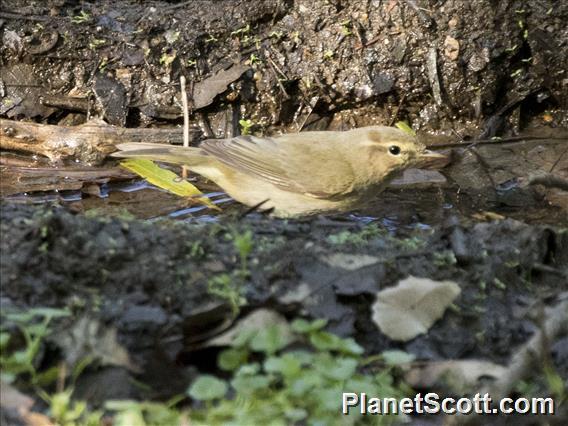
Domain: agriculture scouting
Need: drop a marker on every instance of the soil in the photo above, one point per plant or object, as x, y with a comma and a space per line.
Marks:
125, 256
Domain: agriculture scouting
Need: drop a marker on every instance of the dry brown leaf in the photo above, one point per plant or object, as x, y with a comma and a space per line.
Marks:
412, 307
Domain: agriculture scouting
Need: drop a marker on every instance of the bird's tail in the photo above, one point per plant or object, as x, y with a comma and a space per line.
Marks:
160, 152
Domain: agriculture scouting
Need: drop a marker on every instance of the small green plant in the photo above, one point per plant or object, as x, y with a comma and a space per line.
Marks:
357, 238
67, 412
517, 72
95, 43
167, 58
273, 385
276, 35
445, 258
241, 31
346, 27
21, 337
81, 17
246, 126
228, 287
411, 243
129, 413
243, 244
196, 250
254, 60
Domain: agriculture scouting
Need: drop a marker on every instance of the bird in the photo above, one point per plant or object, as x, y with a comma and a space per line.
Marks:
298, 174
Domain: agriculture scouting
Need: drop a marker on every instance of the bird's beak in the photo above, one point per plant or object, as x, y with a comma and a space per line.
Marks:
432, 160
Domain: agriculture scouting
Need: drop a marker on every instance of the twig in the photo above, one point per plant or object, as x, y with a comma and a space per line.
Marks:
184, 170
558, 160
275, 69
433, 75
550, 270
309, 113
396, 111
512, 139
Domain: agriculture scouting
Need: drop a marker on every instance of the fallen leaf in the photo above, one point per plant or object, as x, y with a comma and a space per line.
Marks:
403, 125
455, 376
166, 179
89, 338
260, 319
412, 307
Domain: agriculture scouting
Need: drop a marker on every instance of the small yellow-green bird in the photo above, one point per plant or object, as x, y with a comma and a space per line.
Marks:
298, 174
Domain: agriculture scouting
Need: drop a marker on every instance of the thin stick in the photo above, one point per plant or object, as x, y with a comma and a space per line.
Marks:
502, 141
184, 170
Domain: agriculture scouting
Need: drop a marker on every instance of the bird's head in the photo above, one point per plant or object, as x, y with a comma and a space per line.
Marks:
390, 150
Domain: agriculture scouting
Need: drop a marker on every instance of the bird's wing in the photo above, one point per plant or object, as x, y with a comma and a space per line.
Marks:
297, 164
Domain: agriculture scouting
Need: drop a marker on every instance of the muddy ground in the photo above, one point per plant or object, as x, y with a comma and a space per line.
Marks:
126, 257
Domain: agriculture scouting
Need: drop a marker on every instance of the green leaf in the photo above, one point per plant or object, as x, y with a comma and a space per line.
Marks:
303, 357
361, 384
4, 339
338, 368
269, 340
329, 400
249, 384
244, 337
165, 179
47, 377
232, 358
306, 384
129, 417
248, 369
296, 414
349, 346
302, 326
286, 365
397, 357
207, 387
403, 125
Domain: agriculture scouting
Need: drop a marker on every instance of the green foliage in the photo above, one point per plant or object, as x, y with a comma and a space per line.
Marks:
289, 386
67, 412
346, 27
444, 258
81, 18
207, 388
246, 126
243, 244
359, 238
21, 336
129, 413
230, 286
226, 287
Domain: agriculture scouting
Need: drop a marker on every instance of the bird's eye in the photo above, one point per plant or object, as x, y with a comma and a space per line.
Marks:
394, 149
